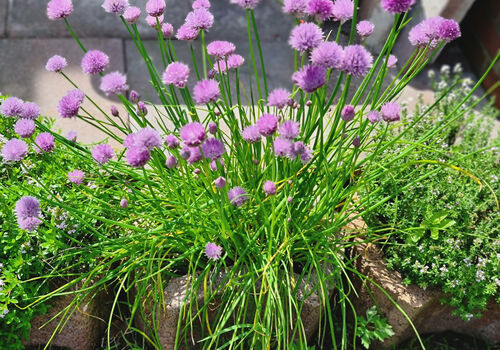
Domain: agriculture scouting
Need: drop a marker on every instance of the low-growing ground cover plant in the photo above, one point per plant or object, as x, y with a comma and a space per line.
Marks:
445, 231
245, 193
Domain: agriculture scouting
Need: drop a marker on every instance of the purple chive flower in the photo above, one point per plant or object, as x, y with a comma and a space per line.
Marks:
129, 141
138, 157
194, 155
397, 6
235, 61
14, 150
213, 148
124, 203
94, 62
270, 188
134, 96
251, 134
186, 32
114, 111
282, 147
365, 29
390, 112
449, 30
76, 177
305, 36
59, 9
296, 8
177, 73
213, 251
71, 136
117, 7
147, 138
328, 54
141, 109
206, 91
12, 107
199, 4
193, 134
200, 19
155, 8
321, 9
114, 83
24, 128
237, 196
29, 224
44, 142
103, 153
298, 148
357, 60
267, 124
356, 142
343, 10
220, 49
27, 207
246, 4
185, 153
153, 21
348, 113
426, 32
56, 64
392, 61
279, 98
289, 130
70, 104
213, 164
30, 111
132, 14
171, 162
172, 141
220, 182
212, 128
306, 155
374, 117
167, 30
310, 78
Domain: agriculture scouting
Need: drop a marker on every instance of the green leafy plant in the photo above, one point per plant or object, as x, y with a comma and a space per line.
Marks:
373, 327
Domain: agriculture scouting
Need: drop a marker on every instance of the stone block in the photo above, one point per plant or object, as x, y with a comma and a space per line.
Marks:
3, 17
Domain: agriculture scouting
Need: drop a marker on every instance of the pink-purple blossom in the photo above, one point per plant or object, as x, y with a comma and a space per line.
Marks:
12, 107
356, 142
194, 155
28, 213
449, 30
172, 141
114, 83
193, 134
220, 49
320, 9
279, 98
94, 62
206, 91
117, 7
44, 142
246, 4
328, 54
365, 29
296, 8
213, 251
198, 4
155, 8
14, 150
56, 63
251, 134
171, 162
177, 73
132, 14
397, 6
310, 78
357, 61
212, 128
134, 96
124, 203
59, 9
237, 196
343, 10
30, 111
213, 148
114, 111
137, 156
427, 32
167, 30
267, 124
235, 61
390, 112
103, 153
141, 109
201, 19
154, 22
347, 113
147, 138
269, 188
29, 224
305, 36
220, 182
289, 130
186, 32
374, 117
69, 105
72, 136
24, 127
76, 176
282, 147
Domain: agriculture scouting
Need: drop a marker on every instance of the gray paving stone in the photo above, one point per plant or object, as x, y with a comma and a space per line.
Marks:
3, 17
28, 79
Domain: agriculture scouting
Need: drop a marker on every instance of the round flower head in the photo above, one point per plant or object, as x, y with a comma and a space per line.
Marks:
56, 64
69, 105
14, 150
117, 7
220, 49
267, 124
200, 19
172, 141
279, 98
30, 111
298, 148
138, 157
289, 130
103, 153
270, 188
449, 30
392, 61
186, 32
343, 10
235, 61
321, 9
167, 30
426, 33
199, 4
193, 134
76, 177
194, 155
134, 96
305, 36
282, 147
12, 107
44, 142
356, 142
246, 4
71, 136
220, 182
213, 251
296, 8
114, 111
94, 62
212, 128
213, 148
153, 21
237, 196
132, 14
141, 109
177, 73
147, 138
27, 207
310, 78
129, 141
397, 6
348, 113
328, 54
306, 156
124, 203
251, 134
114, 83
374, 117
206, 91
24, 127
59, 9
357, 60
29, 224
390, 112
171, 162
365, 29
155, 8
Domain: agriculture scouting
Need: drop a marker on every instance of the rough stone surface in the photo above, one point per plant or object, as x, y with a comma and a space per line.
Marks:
423, 307
3, 17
